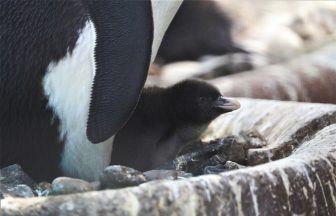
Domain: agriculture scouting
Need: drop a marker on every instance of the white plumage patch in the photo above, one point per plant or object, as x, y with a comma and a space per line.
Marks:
67, 84
163, 14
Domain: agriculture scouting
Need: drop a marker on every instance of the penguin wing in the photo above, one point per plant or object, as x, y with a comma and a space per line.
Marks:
122, 55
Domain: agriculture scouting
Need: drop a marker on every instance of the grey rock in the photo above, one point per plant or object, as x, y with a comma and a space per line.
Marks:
219, 159
14, 182
219, 168
14, 175
284, 125
214, 169
230, 165
117, 176
290, 82
183, 175
66, 185
253, 139
211, 154
166, 174
20, 190
161, 174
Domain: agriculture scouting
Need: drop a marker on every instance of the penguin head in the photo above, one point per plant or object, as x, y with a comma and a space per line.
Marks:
196, 101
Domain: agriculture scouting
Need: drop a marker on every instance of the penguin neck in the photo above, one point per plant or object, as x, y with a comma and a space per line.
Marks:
154, 106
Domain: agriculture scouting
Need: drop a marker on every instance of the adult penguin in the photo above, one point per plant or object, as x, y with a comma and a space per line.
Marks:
199, 28
71, 75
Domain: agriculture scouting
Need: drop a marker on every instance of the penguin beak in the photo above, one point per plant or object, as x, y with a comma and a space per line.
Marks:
226, 104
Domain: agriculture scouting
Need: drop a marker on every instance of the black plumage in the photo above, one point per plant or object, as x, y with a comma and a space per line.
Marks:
31, 38
166, 119
36, 34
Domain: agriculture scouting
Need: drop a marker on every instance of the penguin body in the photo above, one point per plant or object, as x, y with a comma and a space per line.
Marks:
29, 129
64, 71
199, 28
165, 120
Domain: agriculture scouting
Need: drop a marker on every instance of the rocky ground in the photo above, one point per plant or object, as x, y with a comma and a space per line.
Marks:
294, 142
197, 159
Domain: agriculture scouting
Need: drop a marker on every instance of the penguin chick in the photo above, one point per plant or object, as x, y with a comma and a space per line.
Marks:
165, 120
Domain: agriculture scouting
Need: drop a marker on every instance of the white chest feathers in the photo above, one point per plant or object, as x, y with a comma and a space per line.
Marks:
67, 84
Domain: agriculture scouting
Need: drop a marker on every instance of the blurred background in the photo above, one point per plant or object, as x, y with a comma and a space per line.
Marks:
282, 50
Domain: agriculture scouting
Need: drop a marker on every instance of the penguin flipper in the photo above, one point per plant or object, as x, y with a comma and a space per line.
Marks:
122, 55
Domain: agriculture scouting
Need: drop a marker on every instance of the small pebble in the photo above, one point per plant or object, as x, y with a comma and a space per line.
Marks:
42, 189
214, 169
253, 139
117, 176
215, 160
66, 185
183, 175
230, 165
